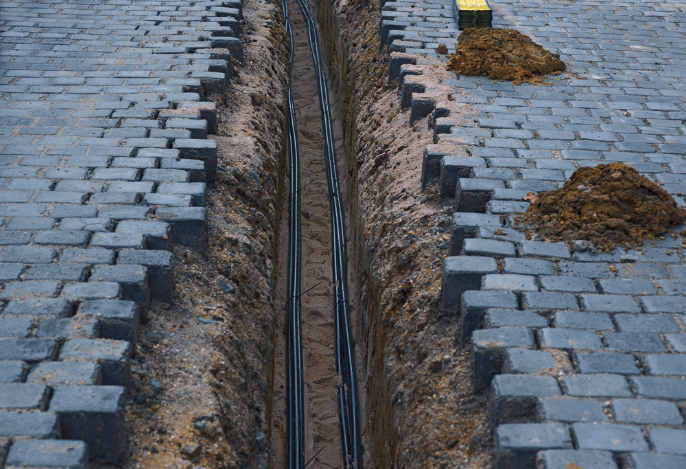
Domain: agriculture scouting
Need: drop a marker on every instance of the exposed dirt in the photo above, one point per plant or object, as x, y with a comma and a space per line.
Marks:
421, 408
322, 430
608, 205
203, 366
503, 54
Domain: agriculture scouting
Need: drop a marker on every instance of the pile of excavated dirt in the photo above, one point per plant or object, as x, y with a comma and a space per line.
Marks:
609, 205
503, 54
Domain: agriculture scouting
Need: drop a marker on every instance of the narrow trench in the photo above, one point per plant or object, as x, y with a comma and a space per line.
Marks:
322, 430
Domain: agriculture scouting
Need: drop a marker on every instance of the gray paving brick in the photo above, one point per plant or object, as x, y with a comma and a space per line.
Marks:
609, 437
41, 425
621, 363
14, 396
610, 303
646, 412
668, 440
464, 273
90, 291
635, 342
646, 323
567, 284
511, 318
588, 459
578, 320
596, 385
39, 307
12, 371
517, 444
15, 327
48, 453
82, 408
651, 304
548, 301
666, 364
527, 266
650, 460
68, 373
571, 410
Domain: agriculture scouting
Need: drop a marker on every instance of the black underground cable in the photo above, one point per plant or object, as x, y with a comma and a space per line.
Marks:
294, 368
345, 360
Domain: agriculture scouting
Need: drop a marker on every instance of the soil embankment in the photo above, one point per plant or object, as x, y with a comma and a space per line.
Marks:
202, 371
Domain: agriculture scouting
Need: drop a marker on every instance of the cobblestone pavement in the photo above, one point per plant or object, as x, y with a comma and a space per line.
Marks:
103, 164
583, 357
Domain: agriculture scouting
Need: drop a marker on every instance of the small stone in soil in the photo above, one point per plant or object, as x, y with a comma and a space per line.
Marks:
207, 321
192, 450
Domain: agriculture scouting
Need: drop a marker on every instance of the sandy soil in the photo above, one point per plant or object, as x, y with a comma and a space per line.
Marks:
203, 366
322, 431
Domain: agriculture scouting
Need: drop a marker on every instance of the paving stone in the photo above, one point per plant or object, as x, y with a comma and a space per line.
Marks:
610, 303
677, 341
668, 440
546, 250
67, 272
651, 460
118, 320
626, 286
579, 320
474, 304
569, 339
68, 454
41, 425
548, 301
622, 363
510, 282
27, 350
646, 412
39, 307
12, 371
646, 323
517, 444
663, 304
596, 385
514, 397
87, 256
634, 342
527, 266
488, 353
113, 355
513, 318
160, 273
83, 408
133, 280
15, 327
659, 388
609, 437
588, 459
70, 373
666, 364
571, 410
464, 273
91, 290
14, 396
567, 284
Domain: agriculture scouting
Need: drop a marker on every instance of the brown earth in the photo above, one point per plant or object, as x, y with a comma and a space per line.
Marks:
608, 205
503, 54
200, 390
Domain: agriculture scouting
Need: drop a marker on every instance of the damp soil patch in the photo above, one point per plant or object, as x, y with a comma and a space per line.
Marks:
503, 54
608, 205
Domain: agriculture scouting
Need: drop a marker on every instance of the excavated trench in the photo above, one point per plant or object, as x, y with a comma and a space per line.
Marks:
322, 429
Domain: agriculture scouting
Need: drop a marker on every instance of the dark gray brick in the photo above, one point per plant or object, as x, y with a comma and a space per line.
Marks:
113, 355
548, 301
634, 342
666, 364
15, 327
514, 318
39, 307
160, 273
567, 284
519, 361
660, 388
488, 354
609, 437
646, 412
587, 459
571, 410
14, 396
29, 289
48, 453
67, 272
514, 397
568, 339
596, 385
653, 460
87, 256
622, 363
118, 319
627, 287
91, 291
27, 254
132, 278
474, 304
527, 266
12, 371
83, 408
68, 373
668, 440
610, 303
578, 320
646, 323
28, 350
10, 271
651, 304
540, 249
41, 425
517, 444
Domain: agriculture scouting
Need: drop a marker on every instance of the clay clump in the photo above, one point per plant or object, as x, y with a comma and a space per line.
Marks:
608, 205
503, 54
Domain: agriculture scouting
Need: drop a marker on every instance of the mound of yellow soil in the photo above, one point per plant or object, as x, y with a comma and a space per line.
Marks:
503, 54
608, 205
